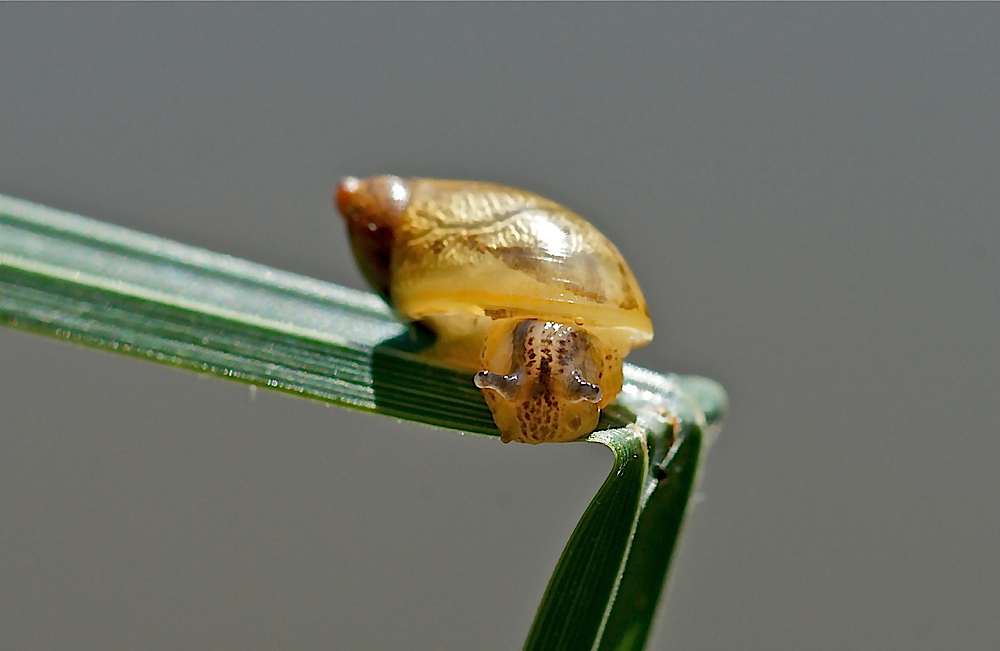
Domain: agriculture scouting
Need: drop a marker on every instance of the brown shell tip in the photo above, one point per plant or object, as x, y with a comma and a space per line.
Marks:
346, 190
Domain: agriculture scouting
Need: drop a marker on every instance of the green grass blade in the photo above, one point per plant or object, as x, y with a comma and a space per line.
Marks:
667, 489
584, 581
99, 285
604, 591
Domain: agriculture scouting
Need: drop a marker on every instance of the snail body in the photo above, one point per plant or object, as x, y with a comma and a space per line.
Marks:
515, 286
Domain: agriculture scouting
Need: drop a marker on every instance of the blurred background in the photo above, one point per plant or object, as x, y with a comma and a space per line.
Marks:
810, 196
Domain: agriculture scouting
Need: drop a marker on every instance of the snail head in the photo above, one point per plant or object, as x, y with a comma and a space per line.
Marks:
542, 394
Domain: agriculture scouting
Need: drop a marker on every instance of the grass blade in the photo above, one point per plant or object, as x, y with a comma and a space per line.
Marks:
99, 285
604, 591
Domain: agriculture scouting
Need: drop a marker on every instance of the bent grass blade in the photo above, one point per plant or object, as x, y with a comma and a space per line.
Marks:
103, 286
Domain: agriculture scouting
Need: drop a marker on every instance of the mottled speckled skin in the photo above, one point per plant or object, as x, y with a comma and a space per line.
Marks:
550, 389
515, 285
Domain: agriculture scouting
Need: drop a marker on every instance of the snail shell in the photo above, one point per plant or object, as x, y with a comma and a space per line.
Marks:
516, 286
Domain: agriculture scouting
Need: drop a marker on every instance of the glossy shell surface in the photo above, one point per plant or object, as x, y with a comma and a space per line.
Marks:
471, 258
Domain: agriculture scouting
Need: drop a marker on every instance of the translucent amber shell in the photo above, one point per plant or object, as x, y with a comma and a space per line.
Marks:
474, 259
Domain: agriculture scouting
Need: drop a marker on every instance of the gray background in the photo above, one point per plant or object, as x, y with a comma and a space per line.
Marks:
809, 195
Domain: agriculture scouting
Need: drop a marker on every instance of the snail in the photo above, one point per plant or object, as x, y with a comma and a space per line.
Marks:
516, 287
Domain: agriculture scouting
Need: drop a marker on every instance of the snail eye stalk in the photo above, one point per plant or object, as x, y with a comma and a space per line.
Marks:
505, 385
580, 389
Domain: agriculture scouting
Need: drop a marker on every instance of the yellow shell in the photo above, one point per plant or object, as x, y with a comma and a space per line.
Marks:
515, 286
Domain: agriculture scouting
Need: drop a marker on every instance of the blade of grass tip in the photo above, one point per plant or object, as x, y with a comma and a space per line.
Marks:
604, 591
667, 493
584, 580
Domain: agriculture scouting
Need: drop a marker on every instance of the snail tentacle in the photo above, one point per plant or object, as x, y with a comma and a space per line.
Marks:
580, 389
505, 385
